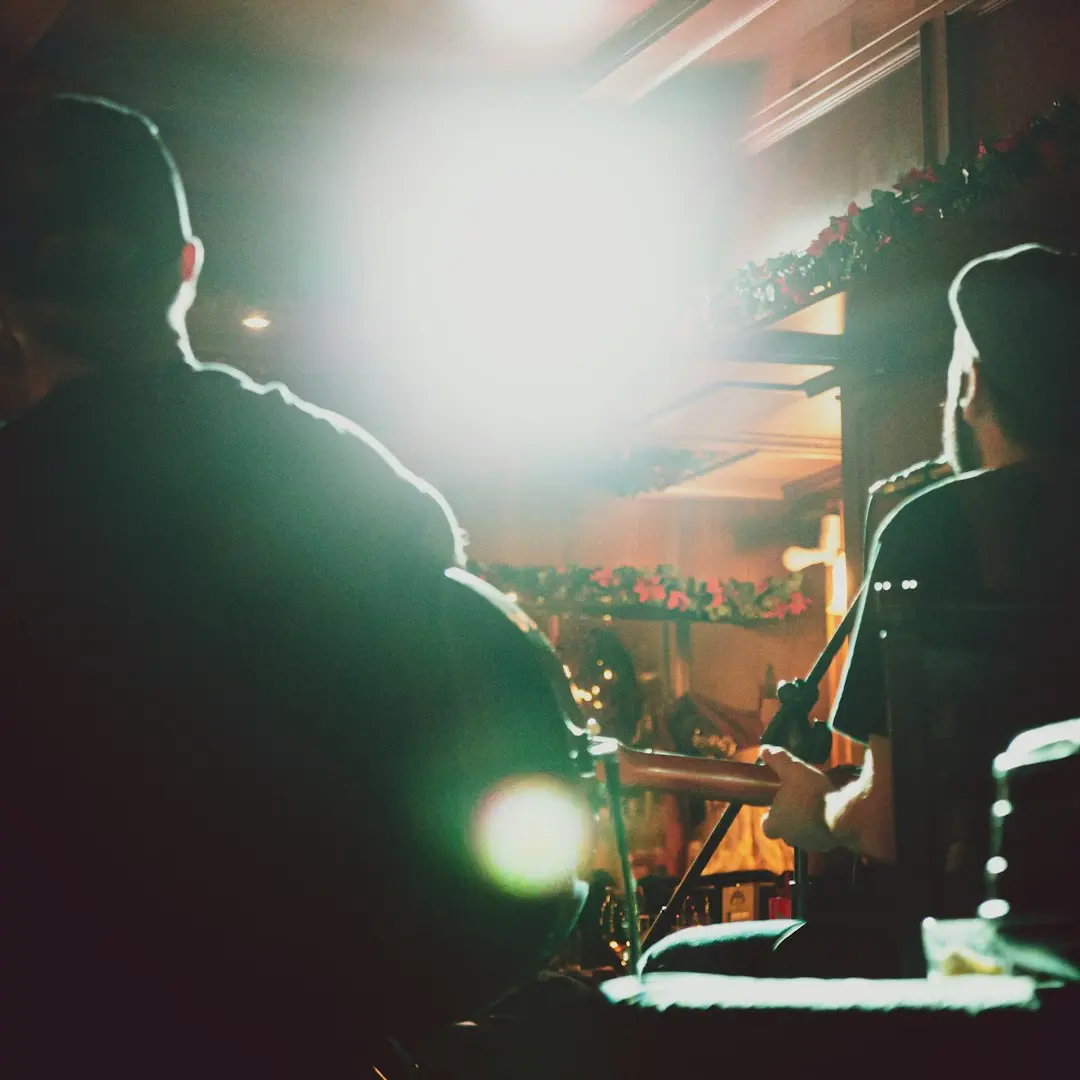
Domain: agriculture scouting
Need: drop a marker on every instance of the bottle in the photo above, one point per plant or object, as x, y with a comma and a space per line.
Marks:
780, 903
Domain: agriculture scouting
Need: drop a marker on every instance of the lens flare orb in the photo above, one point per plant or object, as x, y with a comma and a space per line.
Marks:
530, 834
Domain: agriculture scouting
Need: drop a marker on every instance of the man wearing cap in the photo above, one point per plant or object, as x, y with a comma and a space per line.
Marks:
998, 531
208, 591
999, 528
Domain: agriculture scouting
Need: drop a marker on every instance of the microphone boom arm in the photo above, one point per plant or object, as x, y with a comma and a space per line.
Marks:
791, 729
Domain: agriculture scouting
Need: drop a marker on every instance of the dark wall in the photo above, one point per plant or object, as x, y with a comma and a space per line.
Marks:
899, 333
1009, 65
865, 143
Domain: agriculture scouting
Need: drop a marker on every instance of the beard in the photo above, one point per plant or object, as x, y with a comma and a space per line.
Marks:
959, 445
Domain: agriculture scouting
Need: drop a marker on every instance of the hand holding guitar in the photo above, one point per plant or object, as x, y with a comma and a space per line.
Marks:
797, 813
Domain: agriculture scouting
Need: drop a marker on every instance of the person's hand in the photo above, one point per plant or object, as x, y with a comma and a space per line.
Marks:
797, 814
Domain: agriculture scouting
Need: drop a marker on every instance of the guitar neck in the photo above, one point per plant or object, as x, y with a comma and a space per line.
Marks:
708, 778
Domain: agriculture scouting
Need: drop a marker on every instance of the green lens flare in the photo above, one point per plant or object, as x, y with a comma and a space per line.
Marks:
530, 834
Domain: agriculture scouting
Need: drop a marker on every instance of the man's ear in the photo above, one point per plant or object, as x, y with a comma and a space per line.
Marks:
191, 261
974, 394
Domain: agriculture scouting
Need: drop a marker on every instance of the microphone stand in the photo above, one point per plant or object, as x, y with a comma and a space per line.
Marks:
792, 730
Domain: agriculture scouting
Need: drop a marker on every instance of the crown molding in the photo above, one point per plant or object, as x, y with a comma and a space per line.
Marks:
681, 46
842, 81
985, 7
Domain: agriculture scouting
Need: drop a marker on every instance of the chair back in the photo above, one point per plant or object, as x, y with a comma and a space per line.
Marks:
962, 680
1035, 827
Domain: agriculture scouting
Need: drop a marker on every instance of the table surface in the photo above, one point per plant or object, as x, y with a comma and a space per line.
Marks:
967, 993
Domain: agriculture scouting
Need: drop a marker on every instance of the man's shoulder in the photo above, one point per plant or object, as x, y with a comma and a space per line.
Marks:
276, 405
936, 508
347, 454
933, 528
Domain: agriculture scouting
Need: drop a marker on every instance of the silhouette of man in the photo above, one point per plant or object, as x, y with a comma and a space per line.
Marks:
212, 598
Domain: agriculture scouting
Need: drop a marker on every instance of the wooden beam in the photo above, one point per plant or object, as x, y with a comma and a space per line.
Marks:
782, 347
718, 465
827, 380
806, 447
827, 482
934, 62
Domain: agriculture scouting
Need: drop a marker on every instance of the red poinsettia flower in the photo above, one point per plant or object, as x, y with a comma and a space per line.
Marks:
604, 578
834, 232
778, 611
914, 178
677, 599
650, 589
827, 236
798, 604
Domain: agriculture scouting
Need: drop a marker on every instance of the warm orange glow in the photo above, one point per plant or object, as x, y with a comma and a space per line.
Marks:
837, 602
827, 316
797, 559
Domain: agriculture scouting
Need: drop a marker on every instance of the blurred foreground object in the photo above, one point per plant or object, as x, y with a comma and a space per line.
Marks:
1031, 874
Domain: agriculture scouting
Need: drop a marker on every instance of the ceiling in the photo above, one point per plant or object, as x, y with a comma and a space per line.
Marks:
775, 423
361, 33
462, 33
250, 92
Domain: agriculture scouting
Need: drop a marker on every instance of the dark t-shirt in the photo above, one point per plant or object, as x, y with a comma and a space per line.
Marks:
213, 598
965, 636
1005, 534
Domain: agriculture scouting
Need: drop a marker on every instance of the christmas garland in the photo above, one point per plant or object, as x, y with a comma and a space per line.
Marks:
628, 593
765, 292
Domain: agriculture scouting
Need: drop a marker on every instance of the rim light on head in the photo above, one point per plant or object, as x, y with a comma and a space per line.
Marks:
530, 835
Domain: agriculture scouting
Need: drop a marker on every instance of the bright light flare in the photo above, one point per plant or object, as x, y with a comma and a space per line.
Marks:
524, 264
538, 21
256, 322
530, 835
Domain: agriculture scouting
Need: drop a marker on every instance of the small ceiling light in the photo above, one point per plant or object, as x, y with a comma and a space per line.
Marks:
255, 321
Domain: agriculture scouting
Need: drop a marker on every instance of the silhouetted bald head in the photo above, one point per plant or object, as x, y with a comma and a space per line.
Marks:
93, 224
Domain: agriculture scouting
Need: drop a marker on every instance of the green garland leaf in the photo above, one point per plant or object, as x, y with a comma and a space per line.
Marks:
631, 593
765, 292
